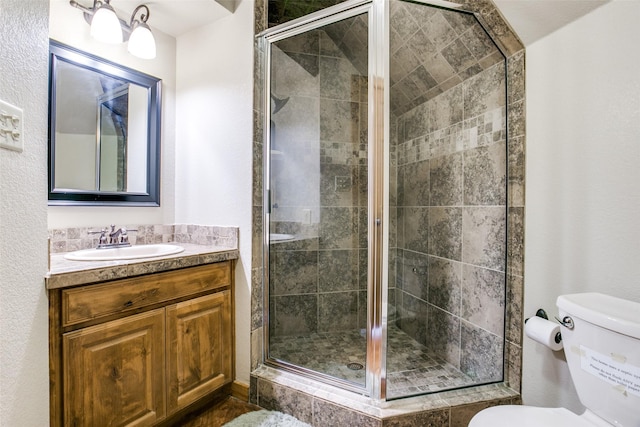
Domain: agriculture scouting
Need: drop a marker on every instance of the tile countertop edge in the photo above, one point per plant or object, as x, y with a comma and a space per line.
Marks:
64, 273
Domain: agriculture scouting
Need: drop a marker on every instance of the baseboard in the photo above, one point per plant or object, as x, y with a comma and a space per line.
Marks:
240, 391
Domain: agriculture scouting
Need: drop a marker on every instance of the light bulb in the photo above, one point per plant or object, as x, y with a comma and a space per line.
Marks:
105, 25
141, 42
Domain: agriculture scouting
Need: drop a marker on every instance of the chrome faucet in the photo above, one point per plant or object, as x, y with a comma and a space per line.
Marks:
113, 238
115, 235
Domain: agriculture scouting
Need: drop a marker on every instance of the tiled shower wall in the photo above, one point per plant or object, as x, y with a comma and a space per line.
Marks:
319, 165
448, 96
451, 223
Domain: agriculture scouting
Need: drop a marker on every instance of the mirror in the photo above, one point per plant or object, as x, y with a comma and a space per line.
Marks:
104, 131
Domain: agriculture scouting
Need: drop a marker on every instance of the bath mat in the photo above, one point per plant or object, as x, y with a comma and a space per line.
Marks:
264, 418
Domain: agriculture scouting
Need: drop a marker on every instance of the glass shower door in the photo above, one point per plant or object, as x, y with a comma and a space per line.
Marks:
317, 179
386, 201
448, 201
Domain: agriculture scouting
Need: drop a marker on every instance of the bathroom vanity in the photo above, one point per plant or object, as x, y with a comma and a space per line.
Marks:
139, 343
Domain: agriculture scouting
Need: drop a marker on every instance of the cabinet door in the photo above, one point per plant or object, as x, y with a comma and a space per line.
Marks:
114, 372
199, 348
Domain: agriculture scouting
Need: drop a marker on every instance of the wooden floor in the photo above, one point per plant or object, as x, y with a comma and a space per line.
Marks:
219, 413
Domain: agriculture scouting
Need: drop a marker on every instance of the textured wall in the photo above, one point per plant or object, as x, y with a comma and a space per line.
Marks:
24, 384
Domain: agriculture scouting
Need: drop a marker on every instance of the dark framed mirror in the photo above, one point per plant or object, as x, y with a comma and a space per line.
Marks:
104, 131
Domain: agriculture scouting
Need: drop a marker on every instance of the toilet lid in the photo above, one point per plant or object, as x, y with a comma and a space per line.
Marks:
527, 416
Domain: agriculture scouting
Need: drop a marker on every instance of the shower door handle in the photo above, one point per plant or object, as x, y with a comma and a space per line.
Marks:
268, 201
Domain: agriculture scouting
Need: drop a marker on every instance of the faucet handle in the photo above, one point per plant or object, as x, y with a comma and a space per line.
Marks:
124, 237
102, 240
123, 229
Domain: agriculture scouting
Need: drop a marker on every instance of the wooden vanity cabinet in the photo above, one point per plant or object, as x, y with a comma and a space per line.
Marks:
199, 348
136, 351
113, 372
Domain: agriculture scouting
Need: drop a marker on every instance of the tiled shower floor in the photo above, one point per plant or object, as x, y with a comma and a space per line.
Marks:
411, 369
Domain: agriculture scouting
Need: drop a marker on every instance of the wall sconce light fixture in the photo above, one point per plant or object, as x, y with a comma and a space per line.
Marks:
108, 28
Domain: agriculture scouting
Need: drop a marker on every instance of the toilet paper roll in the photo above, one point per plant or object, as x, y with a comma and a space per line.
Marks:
543, 331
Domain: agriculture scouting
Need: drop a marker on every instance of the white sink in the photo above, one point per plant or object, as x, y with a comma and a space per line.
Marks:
130, 252
278, 237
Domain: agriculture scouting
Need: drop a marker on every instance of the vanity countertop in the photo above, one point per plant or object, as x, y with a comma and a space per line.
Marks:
64, 273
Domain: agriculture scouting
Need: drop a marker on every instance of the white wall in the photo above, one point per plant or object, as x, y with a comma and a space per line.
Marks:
214, 143
583, 176
68, 26
24, 349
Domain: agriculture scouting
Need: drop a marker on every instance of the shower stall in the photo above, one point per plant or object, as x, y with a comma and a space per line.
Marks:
385, 198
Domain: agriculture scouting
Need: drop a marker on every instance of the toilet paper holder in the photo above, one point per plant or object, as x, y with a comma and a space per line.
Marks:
567, 321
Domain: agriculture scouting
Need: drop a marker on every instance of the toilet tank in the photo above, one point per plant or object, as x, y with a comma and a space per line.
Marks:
603, 354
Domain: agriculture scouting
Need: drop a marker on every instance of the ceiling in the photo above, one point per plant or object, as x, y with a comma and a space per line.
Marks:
531, 19
534, 19
176, 17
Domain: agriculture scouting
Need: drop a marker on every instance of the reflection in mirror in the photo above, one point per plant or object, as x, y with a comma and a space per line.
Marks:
104, 141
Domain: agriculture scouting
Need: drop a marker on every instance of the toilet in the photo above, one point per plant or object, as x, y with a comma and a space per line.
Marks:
601, 339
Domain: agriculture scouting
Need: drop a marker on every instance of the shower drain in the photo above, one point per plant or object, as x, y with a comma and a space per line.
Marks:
355, 366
